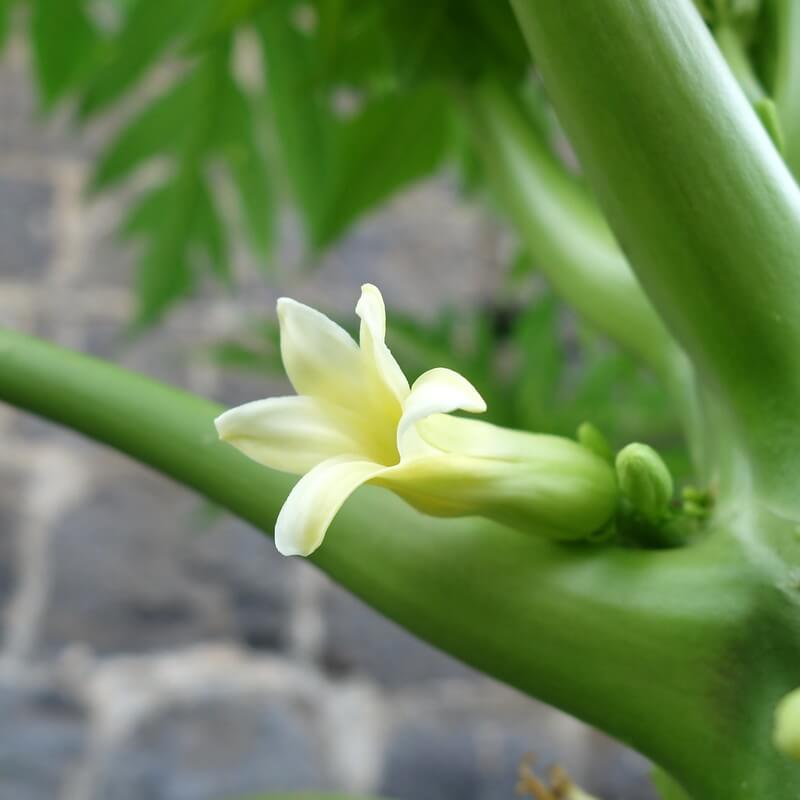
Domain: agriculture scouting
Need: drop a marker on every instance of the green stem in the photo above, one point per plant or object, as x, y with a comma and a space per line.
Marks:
731, 46
563, 229
561, 226
697, 195
635, 642
783, 18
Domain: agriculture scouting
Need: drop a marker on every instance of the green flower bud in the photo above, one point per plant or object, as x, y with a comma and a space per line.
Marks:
768, 114
591, 438
786, 733
644, 480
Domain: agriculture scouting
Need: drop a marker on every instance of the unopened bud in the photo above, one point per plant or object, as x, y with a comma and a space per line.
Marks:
535, 482
591, 438
644, 480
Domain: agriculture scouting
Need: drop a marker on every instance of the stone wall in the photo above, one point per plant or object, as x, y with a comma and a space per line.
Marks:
155, 650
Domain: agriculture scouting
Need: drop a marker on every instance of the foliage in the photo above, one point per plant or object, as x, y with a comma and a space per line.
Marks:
319, 101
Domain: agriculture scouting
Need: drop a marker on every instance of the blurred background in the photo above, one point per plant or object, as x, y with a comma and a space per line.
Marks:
167, 170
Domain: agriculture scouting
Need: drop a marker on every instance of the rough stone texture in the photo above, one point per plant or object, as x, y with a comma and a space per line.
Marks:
42, 743
467, 740
11, 482
361, 641
218, 748
25, 208
143, 564
152, 650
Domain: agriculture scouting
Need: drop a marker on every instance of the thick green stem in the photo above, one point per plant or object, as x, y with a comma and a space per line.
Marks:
783, 18
635, 642
563, 229
731, 46
698, 197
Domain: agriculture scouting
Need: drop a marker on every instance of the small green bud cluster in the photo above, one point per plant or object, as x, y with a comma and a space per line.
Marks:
696, 502
648, 515
645, 481
591, 438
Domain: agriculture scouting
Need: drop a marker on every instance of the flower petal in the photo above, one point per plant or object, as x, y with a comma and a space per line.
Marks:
389, 383
474, 437
437, 391
320, 358
292, 434
314, 501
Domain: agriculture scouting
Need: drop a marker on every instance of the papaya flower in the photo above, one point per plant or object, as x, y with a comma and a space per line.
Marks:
356, 420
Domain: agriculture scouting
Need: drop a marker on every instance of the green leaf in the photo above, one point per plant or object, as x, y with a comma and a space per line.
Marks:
5, 13
247, 165
221, 19
340, 166
64, 43
455, 39
209, 232
395, 140
540, 373
147, 31
303, 129
159, 129
165, 218
178, 220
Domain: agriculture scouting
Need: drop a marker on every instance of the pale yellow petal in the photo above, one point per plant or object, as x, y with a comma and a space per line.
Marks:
314, 501
320, 358
474, 437
389, 385
437, 391
292, 434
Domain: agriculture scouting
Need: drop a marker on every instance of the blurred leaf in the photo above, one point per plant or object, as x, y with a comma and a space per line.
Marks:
163, 217
247, 165
303, 128
177, 220
539, 374
461, 39
342, 164
159, 129
147, 31
5, 14
64, 43
209, 232
202, 119
221, 19
392, 142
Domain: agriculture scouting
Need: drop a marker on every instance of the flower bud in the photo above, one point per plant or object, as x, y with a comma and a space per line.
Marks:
644, 480
786, 733
538, 483
591, 438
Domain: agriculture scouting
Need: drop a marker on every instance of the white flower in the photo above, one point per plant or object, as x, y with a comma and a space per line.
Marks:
356, 420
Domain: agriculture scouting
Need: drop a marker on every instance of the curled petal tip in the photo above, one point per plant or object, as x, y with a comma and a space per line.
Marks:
219, 424
282, 304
